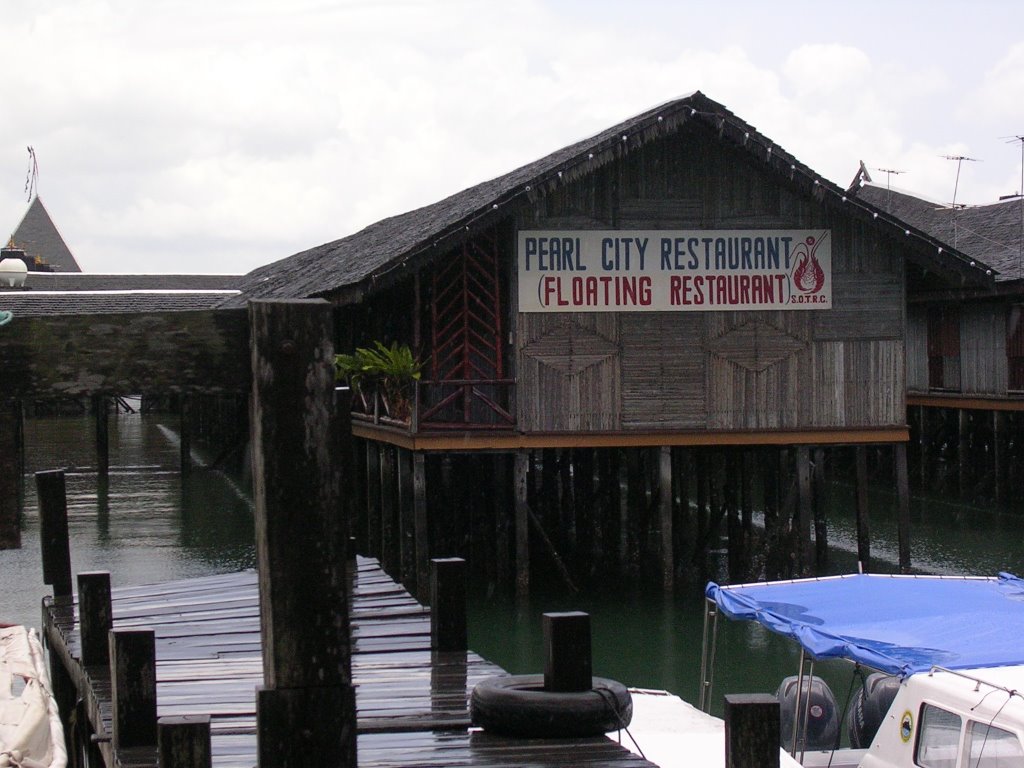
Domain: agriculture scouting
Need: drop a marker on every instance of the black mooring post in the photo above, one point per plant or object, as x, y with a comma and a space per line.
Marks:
751, 731
101, 411
567, 652
95, 616
307, 708
133, 687
448, 604
184, 741
53, 531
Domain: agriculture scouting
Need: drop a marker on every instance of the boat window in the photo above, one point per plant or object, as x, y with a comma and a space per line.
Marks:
991, 747
938, 738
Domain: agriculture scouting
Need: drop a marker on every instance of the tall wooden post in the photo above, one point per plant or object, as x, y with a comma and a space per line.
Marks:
752, 724
522, 463
53, 531
963, 452
448, 628
665, 517
902, 505
184, 741
863, 527
406, 522
133, 687
567, 652
10, 475
999, 457
820, 490
803, 478
420, 524
307, 704
95, 617
388, 512
101, 412
185, 434
373, 513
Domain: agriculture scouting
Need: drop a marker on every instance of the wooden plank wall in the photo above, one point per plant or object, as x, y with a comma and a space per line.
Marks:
835, 368
983, 349
75, 355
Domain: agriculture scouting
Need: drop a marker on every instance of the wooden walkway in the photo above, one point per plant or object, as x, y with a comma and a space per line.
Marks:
411, 703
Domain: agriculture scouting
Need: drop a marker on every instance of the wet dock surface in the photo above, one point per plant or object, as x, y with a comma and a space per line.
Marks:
411, 702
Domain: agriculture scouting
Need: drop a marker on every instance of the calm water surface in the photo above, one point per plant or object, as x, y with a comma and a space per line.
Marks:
152, 528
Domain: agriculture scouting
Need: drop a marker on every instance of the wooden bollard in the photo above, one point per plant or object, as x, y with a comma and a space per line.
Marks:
448, 604
306, 711
184, 742
53, 531
567, 653
133, 687
95, 617
751, 731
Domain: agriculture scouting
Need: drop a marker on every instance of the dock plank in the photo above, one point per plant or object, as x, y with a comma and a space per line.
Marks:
411, 703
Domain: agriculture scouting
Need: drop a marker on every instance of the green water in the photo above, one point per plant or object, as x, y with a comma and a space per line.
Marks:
151, 528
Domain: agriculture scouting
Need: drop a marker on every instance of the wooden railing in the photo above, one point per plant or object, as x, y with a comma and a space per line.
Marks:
482, 404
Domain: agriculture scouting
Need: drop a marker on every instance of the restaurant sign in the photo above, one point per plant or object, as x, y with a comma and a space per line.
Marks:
673, 270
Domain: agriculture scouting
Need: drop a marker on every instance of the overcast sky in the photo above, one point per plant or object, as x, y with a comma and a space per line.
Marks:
216, 136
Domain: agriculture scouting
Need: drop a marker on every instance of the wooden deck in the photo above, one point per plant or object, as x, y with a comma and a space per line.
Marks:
411, 703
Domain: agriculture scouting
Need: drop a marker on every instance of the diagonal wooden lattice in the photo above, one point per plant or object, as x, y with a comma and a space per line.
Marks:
755, 346
466, 315
570, 349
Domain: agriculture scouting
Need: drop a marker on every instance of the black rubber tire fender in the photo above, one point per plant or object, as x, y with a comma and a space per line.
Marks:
518, 705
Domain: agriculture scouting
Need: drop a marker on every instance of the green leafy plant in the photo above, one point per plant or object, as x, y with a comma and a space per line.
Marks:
392, 369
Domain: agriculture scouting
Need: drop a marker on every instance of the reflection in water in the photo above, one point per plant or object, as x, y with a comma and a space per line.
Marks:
149, 526
145, 526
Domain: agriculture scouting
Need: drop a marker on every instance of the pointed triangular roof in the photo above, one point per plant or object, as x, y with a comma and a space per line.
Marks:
38, 237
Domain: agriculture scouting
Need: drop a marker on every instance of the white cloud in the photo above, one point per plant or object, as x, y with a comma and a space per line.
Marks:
233, 133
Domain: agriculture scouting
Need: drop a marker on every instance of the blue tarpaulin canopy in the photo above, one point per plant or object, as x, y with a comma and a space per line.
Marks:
896, 624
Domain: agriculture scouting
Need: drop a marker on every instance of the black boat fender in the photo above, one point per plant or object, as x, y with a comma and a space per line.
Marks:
518, 705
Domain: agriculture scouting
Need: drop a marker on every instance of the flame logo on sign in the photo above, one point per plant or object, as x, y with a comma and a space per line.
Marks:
808, 276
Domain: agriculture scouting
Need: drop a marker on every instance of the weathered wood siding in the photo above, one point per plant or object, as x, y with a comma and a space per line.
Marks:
826, 369
917, 348
983, 349
74, 355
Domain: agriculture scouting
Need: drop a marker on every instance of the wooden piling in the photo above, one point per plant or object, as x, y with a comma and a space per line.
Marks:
185, 433
299, 540
567, 652
665, 517
902, 505
373, 493
734, 533
95, 617
820, 493
420, 526
999, 458
804, 511
184, 742
53, 531
522, 463
133, 688
963, 453
448, 626
752, 725
10, 475
101, 412
406, 521
863, 527
389, 546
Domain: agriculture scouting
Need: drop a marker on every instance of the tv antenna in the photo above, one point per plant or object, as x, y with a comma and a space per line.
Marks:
889, 173
959, 161
1020, 194
32, 177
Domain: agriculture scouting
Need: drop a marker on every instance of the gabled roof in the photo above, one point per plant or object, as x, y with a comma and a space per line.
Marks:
95, 281
360, 263
38, 237
993, 233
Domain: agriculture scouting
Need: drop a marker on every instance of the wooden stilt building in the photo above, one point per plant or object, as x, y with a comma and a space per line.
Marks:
625, 345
